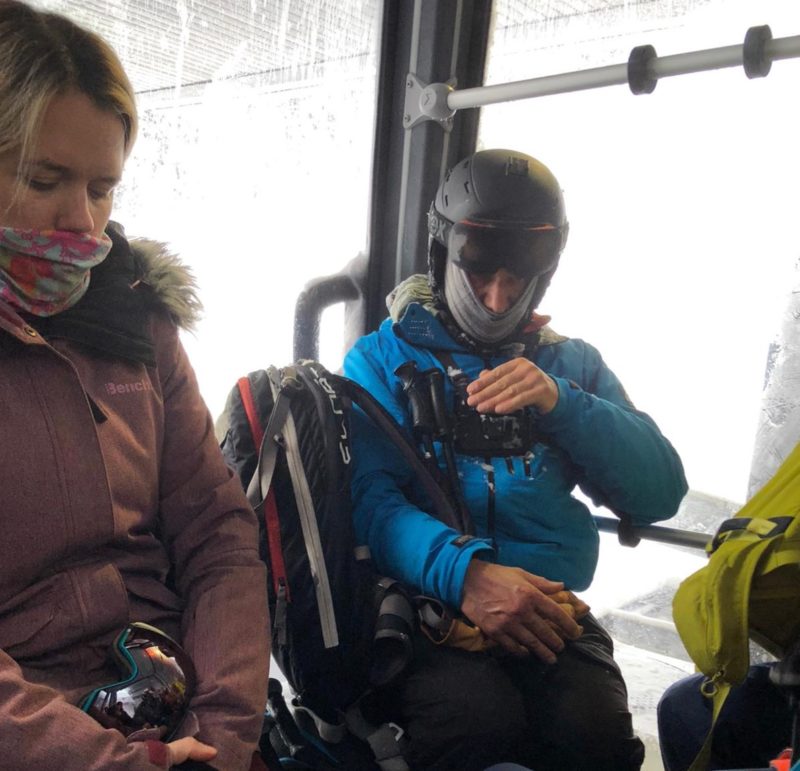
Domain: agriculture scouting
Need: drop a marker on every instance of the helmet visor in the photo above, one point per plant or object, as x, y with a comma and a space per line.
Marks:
157, 685
523, 251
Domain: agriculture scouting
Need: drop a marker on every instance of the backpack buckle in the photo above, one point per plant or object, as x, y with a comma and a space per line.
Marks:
754, 526
289, 380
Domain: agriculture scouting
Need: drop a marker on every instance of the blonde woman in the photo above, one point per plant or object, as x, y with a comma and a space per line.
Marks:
123, 531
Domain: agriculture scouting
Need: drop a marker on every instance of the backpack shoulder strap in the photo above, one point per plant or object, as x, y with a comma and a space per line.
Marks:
260, 492
377, 413
291, 381
266, 439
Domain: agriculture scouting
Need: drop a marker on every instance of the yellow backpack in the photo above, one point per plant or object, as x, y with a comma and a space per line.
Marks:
750, 588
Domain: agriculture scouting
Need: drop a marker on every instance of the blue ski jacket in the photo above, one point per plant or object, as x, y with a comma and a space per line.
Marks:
595, 439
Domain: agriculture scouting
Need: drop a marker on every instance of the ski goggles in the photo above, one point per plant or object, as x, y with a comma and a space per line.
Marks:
524, 251
158, 682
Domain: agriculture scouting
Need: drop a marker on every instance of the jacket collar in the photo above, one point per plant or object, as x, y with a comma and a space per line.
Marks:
424, 326
13, 324
421, 325
113, 317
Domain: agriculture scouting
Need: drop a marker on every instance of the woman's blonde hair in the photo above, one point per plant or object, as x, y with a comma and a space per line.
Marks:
43, 55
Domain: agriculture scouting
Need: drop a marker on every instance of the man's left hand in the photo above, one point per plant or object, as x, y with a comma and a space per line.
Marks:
511, 386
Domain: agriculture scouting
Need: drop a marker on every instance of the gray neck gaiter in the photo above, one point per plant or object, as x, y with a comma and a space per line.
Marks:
472, 315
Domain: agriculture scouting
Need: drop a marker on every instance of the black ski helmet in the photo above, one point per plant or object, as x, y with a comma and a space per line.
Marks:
511, 206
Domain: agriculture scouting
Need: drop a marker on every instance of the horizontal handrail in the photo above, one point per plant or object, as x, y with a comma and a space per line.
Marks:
669, 535
640, 618
440, 101
619, 74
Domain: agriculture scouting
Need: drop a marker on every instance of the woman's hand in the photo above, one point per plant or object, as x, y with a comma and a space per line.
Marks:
511, 386
189, 748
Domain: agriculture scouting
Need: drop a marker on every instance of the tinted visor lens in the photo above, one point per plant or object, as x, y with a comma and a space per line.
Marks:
484, 249
158, 685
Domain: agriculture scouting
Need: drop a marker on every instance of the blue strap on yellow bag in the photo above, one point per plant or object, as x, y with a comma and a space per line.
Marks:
750, 588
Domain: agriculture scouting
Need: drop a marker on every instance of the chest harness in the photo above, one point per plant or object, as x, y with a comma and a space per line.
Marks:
462, 429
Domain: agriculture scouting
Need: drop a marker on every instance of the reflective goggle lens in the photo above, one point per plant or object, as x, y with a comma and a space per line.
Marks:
159, 684
524, 251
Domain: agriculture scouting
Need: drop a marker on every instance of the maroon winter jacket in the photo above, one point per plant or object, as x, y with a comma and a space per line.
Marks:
116, 506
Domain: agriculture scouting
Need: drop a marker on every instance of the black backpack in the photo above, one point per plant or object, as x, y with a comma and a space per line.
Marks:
338, 628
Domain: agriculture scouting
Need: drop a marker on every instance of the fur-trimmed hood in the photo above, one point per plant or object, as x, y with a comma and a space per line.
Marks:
173, 284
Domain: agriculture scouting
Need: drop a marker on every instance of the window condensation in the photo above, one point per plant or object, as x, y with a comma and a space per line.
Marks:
253, 159
681, 255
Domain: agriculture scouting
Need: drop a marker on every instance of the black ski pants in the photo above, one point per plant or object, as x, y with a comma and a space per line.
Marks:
463, 711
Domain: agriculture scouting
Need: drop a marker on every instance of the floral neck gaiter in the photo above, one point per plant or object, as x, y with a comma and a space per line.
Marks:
45, 272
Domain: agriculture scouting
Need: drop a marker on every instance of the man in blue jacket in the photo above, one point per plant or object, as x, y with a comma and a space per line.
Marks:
529, 415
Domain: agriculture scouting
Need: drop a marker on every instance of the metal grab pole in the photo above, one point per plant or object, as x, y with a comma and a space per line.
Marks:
669, 535
617, 74
611, 75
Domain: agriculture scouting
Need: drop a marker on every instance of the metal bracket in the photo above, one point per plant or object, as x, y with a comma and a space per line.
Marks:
427, 102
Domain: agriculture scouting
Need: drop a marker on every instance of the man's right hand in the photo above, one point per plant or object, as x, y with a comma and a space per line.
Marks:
522, 612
